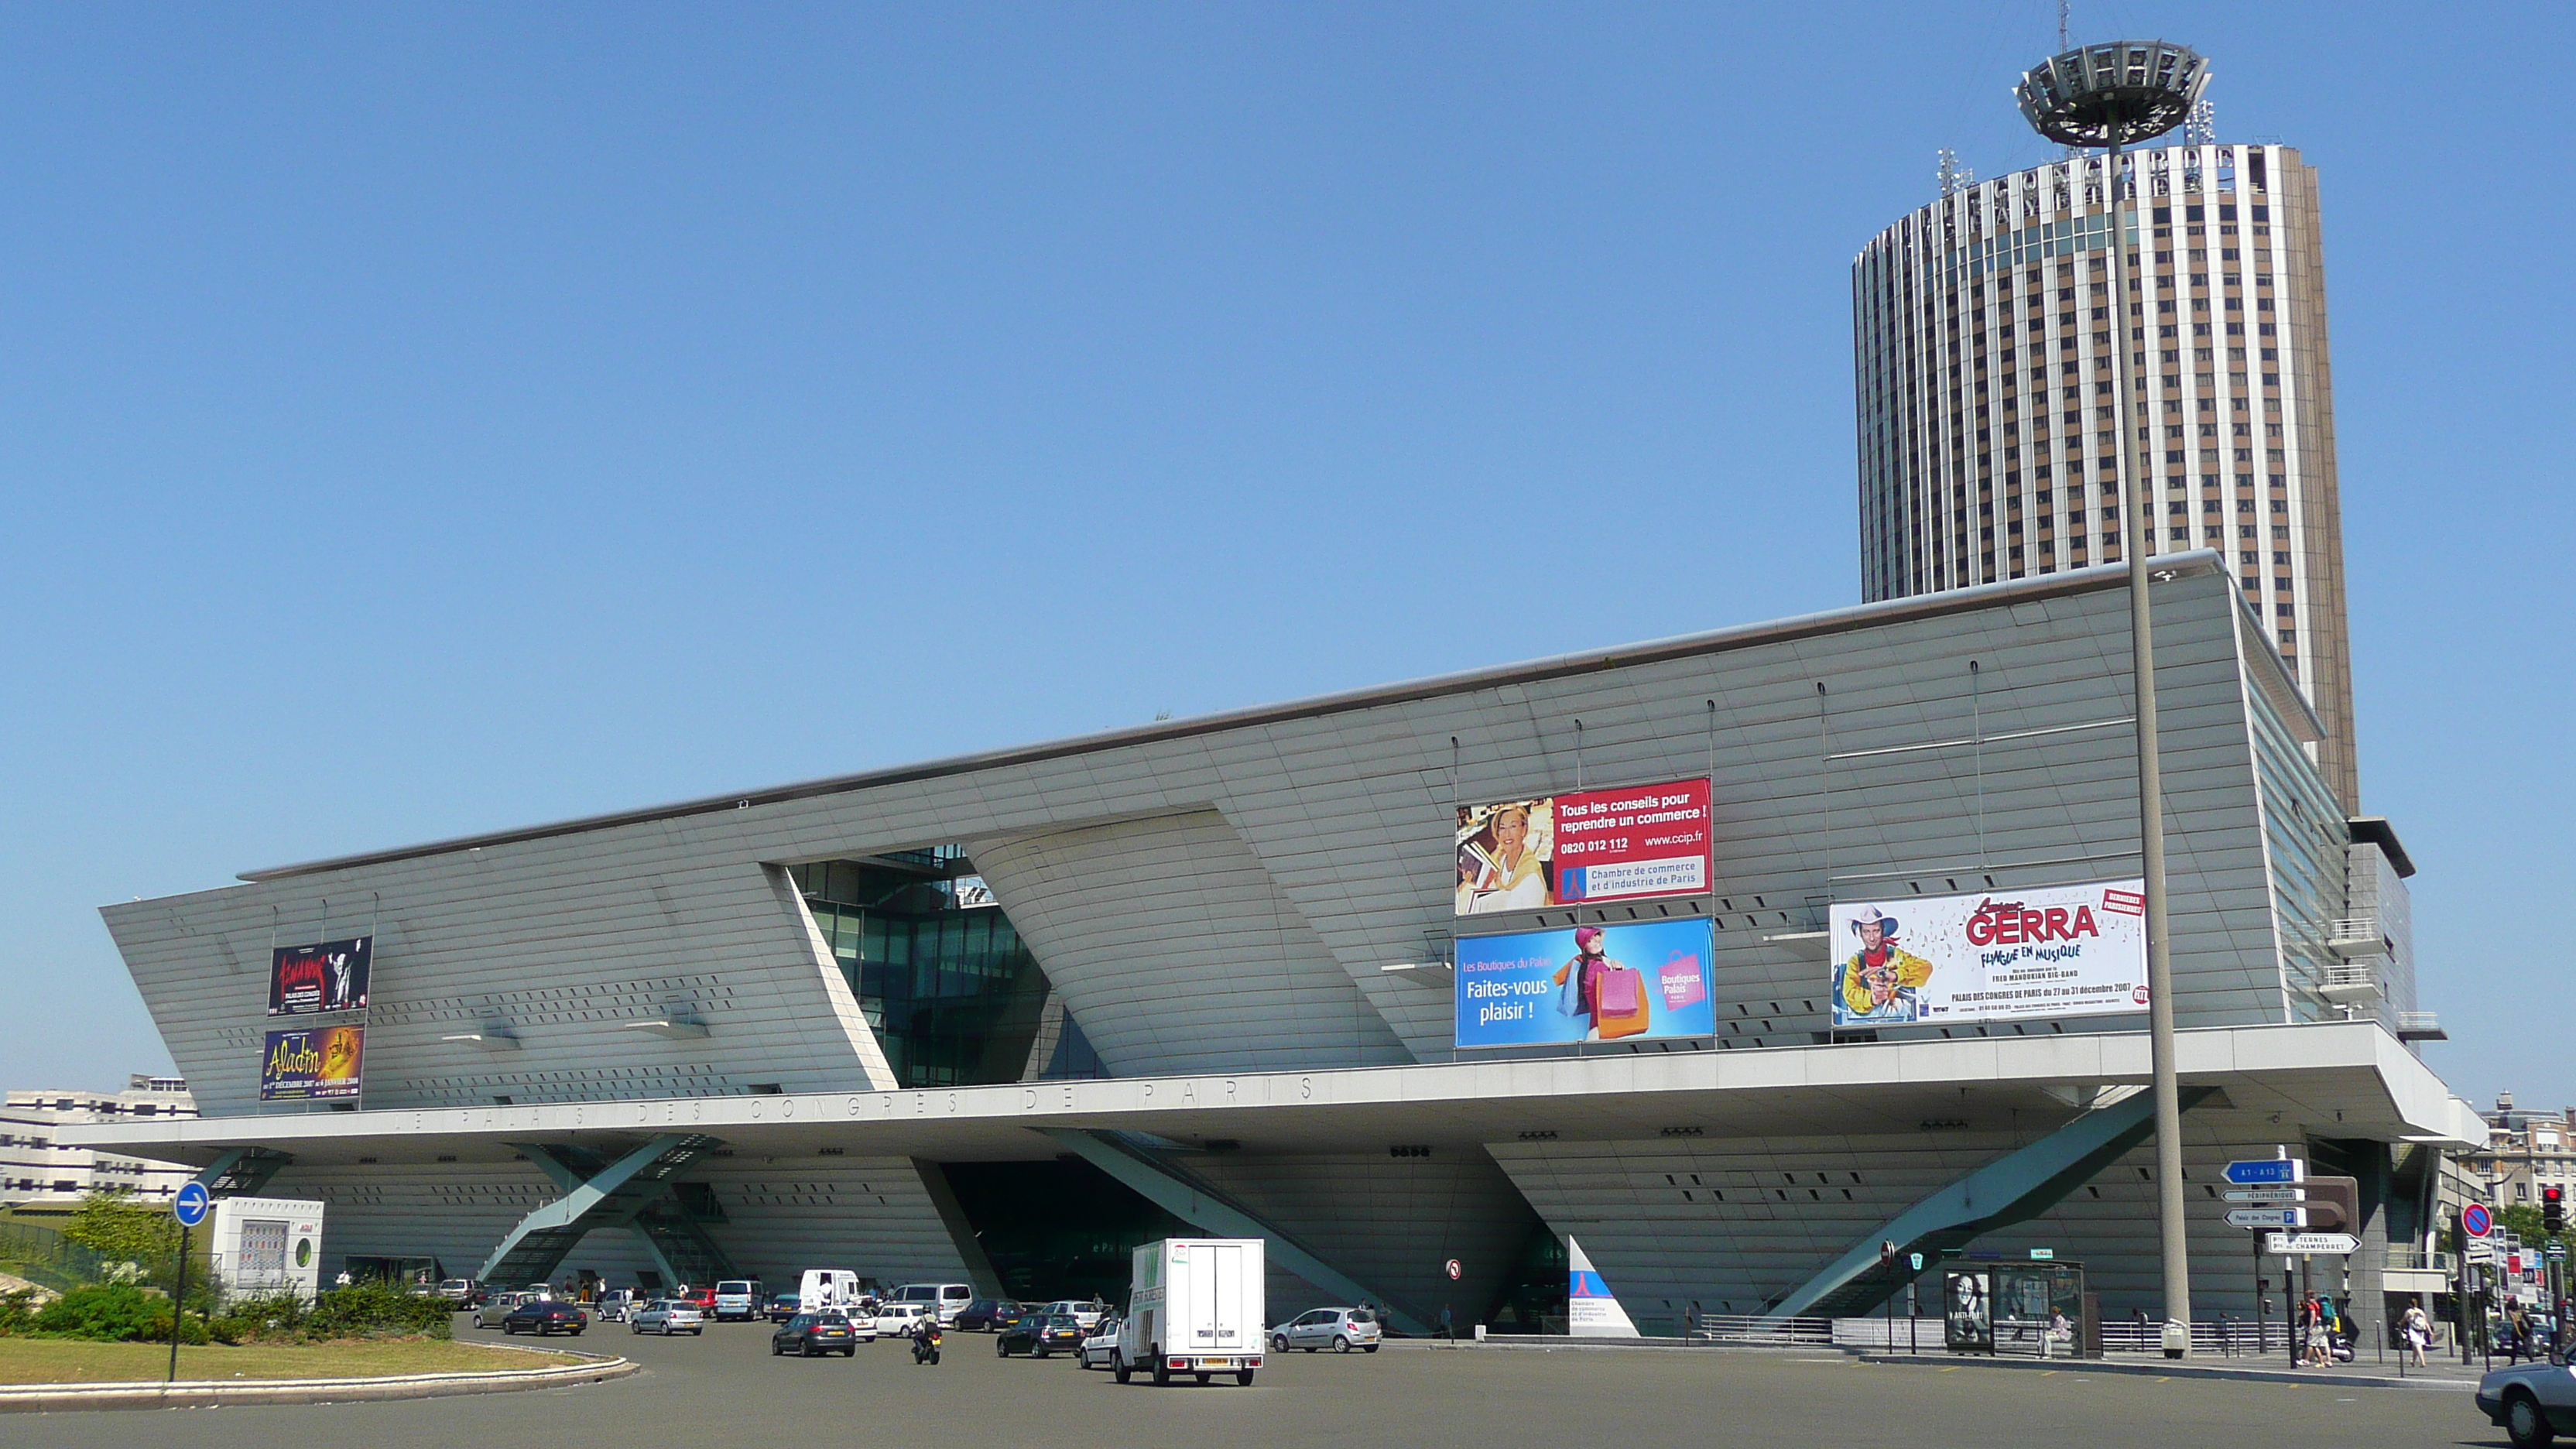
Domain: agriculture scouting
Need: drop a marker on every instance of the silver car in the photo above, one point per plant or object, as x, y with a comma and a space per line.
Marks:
667, 1316
2531, 1402
498, 1307
1339, 1329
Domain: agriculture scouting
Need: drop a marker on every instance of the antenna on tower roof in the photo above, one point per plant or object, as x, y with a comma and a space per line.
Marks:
2200, 128
2063, 9
1955, 178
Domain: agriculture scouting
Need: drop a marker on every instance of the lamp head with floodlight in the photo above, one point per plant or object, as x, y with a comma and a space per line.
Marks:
2116, 94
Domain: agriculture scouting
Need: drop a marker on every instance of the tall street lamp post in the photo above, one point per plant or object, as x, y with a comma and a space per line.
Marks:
2112, 96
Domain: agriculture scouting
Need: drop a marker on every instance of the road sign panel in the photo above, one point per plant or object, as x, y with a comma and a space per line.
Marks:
2300, 1245
2476, 1221
1918, 1261
2481, 1251
2042, 1255
1454, 1270
192, 1204
2266, 1194
2267, 1217
2246, 1173
2557, 1250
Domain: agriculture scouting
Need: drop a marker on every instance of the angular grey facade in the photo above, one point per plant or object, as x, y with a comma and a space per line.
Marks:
1215, 902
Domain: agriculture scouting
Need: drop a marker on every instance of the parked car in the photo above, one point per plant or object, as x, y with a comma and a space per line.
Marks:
496, 1307
1040, 1334
667, 1316
543, 1316
1099, 1344
808, 1334
896, 1319
1015, 1315
737, 1298
615, 1305
704, 1299
1085, 1311
983, 1315
782, 1308
1339, 1329
2531, 1402
463, 1292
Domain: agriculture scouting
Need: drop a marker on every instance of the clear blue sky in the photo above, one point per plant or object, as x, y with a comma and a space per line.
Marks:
419, 420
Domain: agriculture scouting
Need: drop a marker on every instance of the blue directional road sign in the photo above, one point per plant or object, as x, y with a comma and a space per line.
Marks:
192, 1204
2258, 1170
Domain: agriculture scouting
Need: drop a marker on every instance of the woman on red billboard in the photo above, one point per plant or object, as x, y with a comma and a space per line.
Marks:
1500, 868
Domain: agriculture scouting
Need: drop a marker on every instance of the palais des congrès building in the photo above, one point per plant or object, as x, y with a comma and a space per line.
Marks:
1849, 897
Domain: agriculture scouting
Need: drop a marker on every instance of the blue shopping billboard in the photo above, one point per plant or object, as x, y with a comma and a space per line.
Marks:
1584, 983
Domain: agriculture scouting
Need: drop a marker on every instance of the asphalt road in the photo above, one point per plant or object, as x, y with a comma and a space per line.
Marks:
724, 1386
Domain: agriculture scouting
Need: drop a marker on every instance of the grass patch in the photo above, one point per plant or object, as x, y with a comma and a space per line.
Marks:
70, 1361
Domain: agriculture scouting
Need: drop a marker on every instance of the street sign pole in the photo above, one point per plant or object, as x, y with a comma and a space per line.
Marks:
189, 1206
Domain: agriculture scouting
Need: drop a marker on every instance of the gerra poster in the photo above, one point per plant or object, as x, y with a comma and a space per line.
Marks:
325, 976
1640, 980
312, 1063
2021, 955
1629, 843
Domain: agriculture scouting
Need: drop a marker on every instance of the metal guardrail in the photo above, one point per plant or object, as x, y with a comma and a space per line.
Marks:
1747, 1331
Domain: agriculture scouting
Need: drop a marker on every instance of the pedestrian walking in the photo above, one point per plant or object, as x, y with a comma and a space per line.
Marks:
2417, 1327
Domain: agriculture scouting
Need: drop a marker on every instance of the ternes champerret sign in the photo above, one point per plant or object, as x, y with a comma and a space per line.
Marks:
1635, 980
326, 976
312, 1063
1630, 843
2053, 951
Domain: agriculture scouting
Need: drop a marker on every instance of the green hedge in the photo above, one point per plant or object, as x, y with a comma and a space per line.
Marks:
118, 1313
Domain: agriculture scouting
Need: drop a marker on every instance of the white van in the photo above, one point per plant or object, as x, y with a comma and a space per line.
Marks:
827, 1288
1195, 1308
945, 1299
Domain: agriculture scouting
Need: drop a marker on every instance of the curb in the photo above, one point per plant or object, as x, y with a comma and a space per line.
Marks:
215, 1393
2169, 1371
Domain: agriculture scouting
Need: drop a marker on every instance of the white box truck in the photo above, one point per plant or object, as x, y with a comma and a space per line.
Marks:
1195, 1307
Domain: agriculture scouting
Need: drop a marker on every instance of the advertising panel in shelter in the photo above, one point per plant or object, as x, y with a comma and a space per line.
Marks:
2078, 950
312, 1064
1623, 844
1641, 980
325, 976
1967, 1311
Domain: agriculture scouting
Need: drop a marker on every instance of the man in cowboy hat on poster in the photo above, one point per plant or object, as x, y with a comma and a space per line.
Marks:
1880, 981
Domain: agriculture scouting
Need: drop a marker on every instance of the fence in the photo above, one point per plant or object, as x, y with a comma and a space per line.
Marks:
1745, 1331
46, 1258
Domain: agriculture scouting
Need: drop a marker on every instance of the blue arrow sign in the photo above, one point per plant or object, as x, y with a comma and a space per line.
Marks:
192, 1204
2267, 1169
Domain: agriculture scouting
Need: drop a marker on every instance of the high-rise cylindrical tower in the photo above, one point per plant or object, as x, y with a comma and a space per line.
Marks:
1984, 334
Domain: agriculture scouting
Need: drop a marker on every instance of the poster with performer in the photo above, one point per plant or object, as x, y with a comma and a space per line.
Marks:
325, 976
1632, 842
312, 1064
2020, 955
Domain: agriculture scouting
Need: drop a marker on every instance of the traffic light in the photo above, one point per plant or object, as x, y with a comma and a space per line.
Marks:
2553, 1209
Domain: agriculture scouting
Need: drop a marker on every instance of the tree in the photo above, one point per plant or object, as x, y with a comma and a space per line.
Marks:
121, 1230
2523, 1220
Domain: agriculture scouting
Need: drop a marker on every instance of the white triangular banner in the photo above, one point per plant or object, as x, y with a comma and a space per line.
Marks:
1591, 1310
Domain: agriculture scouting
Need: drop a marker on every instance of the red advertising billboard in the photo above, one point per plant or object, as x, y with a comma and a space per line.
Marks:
1630, 842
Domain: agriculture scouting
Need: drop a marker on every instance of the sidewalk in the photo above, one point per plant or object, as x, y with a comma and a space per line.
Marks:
2438, 1374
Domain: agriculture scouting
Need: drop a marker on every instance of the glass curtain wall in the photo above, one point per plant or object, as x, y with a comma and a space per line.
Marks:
953, 994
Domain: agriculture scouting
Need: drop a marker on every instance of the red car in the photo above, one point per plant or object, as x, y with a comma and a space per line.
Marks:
703, 1298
